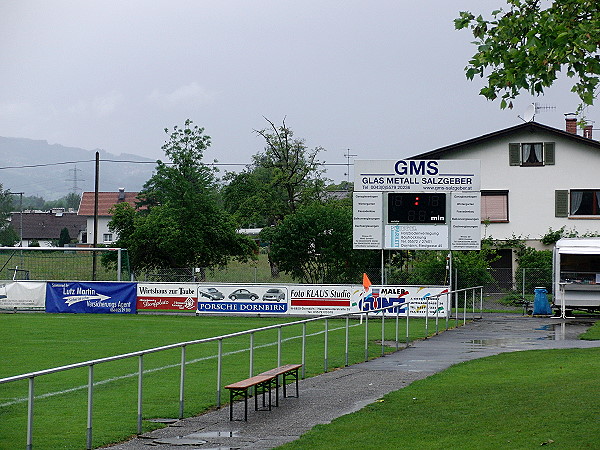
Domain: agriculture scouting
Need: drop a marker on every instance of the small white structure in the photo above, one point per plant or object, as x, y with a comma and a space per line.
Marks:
577, 274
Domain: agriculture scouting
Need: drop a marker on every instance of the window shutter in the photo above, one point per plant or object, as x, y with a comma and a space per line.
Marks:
561, 203
549, 158
514, 154
494, 207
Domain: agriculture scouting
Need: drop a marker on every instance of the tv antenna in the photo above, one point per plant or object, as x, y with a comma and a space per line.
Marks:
532, 109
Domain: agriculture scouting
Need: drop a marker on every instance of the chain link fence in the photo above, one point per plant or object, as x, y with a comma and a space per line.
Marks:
510, 291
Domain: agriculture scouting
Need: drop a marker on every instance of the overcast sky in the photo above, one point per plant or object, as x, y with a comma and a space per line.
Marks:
383, 79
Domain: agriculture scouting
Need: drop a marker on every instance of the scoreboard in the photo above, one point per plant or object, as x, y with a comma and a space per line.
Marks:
416, 208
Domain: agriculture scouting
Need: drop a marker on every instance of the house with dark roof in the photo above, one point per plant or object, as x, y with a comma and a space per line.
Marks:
45, 227
534, 178
106, 200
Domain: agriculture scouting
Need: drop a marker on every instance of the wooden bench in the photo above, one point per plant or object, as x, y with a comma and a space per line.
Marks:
288, 370
262, 384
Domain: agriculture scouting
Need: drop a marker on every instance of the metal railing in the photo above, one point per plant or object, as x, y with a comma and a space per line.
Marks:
389, 312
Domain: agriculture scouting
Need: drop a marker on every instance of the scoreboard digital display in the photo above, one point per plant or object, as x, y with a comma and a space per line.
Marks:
416, 208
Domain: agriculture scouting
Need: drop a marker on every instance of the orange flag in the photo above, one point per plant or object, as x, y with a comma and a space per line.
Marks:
366, 282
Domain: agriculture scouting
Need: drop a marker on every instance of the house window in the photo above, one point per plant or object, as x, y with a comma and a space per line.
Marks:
577, 203
494, 206
529, 154
107, 237
584, 202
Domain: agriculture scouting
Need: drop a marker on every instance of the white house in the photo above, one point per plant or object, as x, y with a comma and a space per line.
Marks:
534, 178
106, 200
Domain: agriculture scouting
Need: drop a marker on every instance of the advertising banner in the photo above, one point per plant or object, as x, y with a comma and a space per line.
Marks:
417, 175
419, 300
367, 222
323, 300
465, 226
23, 295
91, 297
242, 298
167, 297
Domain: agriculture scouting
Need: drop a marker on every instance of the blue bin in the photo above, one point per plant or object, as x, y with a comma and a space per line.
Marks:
541, 305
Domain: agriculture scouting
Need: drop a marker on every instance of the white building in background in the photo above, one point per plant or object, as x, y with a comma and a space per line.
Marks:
534, 178
106, 200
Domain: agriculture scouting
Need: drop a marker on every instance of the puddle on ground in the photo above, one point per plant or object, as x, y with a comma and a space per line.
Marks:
564, 331
167, 421
556, 332
494, 342
198, 439
181, 440
217, 434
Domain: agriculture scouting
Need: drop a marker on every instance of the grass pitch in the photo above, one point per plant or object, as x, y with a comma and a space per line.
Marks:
37, 341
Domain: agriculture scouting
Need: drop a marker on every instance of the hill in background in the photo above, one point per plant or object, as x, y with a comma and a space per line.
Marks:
51, 171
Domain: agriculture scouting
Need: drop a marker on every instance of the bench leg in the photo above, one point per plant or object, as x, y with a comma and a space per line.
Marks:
269, 387
232, 395
293, 374
277, 390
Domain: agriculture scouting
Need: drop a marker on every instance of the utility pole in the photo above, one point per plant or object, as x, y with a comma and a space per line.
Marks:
96, 184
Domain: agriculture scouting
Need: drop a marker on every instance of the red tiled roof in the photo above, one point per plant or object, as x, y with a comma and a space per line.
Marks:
106, 200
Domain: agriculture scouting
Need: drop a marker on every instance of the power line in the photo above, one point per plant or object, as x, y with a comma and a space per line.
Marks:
30, 166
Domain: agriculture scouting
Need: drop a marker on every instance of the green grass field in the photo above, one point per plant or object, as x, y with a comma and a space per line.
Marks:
517, 400
520, 400
37, 341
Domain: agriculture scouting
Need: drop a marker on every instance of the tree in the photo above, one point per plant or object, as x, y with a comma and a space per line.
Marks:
314, 245
281, 179
526, 48
285, 176
179, 222
294, 168
64, 238
8, 235
252, 198
72, 200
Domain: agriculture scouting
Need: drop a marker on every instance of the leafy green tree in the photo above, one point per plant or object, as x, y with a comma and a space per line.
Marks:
64, 238
280, 180
537, 265
252, 199
33, 202
285, 176
294, 168
8, 235
179, 222
314, 245
527, 46
72, 200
